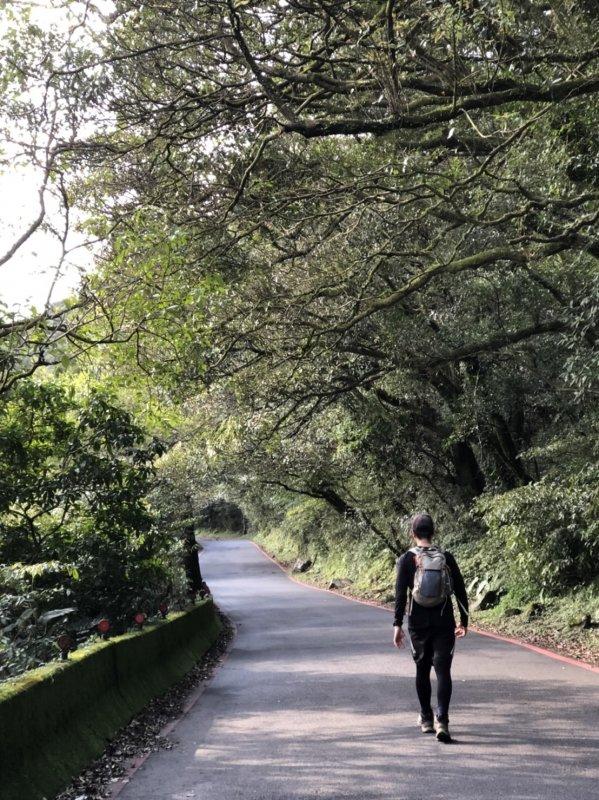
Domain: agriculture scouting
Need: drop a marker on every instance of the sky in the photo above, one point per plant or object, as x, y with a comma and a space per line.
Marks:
27, 278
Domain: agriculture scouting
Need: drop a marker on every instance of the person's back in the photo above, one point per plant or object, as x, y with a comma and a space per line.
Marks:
430, 575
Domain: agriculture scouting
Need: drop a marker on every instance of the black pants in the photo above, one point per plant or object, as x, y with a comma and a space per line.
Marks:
432, 646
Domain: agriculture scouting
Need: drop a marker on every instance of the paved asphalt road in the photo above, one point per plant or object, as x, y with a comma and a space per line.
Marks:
313, 702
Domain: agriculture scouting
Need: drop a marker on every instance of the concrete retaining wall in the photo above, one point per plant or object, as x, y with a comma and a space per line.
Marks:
56, 719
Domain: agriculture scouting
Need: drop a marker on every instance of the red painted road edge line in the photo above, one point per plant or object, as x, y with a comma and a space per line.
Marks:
539, 650
574, 662
116, 788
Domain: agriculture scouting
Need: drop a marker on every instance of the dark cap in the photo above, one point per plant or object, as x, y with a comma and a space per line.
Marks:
423, 525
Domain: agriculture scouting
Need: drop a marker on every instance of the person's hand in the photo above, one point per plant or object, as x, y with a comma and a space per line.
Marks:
460, 632
398, 636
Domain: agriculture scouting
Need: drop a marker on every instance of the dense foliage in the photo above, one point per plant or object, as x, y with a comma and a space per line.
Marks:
78, 538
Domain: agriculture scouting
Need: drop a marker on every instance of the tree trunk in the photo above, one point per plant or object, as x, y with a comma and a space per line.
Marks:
191, 562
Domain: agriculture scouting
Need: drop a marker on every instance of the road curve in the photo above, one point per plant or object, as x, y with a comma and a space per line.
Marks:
313, 702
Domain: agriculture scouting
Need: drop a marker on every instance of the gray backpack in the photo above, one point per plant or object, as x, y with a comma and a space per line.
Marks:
432, 579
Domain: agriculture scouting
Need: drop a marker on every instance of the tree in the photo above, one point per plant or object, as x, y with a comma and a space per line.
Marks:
76, 472
361, 237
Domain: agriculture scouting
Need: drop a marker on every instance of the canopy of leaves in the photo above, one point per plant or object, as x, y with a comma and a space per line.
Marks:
399, 201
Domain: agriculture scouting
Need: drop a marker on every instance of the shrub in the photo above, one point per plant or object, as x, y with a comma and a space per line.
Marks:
76, 529
548, 530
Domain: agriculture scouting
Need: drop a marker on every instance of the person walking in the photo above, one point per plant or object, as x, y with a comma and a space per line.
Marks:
431, 576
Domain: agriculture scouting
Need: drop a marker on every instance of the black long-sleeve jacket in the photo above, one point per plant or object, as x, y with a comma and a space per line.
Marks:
418, 615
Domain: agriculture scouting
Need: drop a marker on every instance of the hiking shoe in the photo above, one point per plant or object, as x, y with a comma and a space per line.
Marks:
442, 731
426, 723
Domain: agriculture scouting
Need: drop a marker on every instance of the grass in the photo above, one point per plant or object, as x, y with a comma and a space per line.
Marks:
556, 624
371, 572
